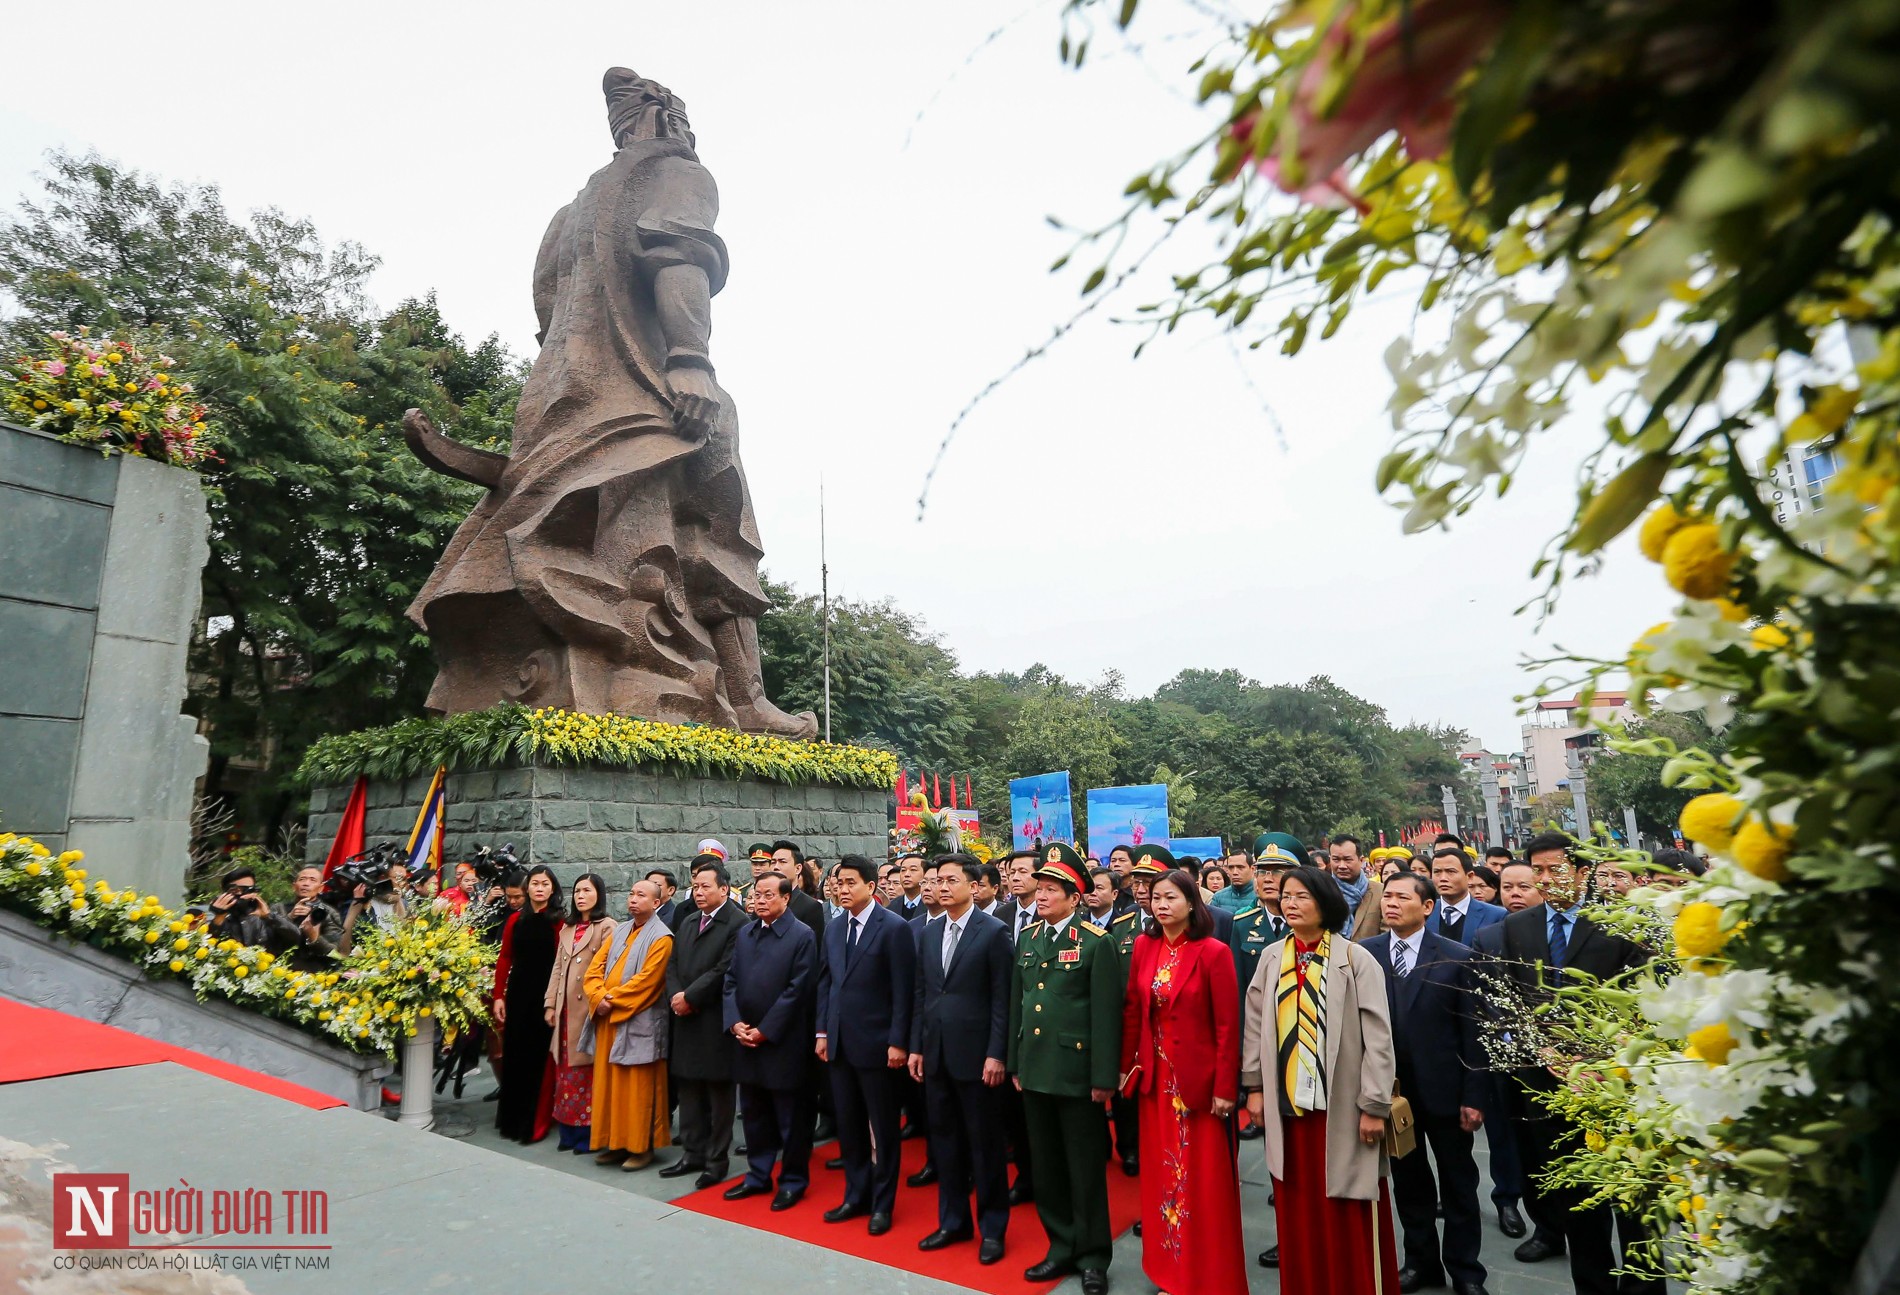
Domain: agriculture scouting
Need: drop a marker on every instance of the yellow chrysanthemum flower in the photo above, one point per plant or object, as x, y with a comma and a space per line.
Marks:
1698, 930
1711, 818
177, 965
1763, 848
1711, 1044
1656, 529
1768, 638
1695, 563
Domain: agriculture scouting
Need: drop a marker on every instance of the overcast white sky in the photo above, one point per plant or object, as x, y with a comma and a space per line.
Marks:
1098, 512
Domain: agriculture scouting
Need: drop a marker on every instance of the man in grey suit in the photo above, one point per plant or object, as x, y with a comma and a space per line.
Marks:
959, 1042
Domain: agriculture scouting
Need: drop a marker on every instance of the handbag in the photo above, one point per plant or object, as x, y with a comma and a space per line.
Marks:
1401, 1129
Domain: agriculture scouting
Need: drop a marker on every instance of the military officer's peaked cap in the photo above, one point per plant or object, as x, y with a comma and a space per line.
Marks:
1152, 861
1060, 862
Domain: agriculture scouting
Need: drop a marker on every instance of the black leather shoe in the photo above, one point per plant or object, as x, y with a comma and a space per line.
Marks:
738, 1149
1469, 1288
493, 1097
836, 1162
1270, 1257
682, 1167
909, 1132
1094, 1282
785, 1200
923, 1177
1137, 1228
742, 1189
845, 1213
1130, 1166
1021, 1195
991, 1251
1536, 1250
1510, 1222
939, 1239
879, 1225
1046, 1271
825, 1131
1411, 1279
706, 1180
1253, 1133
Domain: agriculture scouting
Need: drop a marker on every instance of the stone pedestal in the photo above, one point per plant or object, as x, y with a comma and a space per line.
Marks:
99, 590
615, 822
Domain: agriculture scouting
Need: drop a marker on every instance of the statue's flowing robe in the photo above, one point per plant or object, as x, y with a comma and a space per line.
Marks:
627, 542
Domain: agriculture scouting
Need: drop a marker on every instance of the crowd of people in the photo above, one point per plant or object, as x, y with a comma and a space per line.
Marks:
1073, 1018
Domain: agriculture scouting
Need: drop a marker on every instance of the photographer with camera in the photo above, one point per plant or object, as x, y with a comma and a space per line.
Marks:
239, 912
306, 930
382, 899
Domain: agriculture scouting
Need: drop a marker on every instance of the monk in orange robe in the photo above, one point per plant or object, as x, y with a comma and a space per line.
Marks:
626, 986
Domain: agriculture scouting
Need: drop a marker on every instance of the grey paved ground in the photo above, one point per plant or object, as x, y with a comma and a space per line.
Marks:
414, 1212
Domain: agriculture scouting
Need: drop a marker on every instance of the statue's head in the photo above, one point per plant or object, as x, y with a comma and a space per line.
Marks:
638, 108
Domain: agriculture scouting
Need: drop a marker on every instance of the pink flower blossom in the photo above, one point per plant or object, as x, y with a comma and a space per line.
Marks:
114, 406
56, 367
1410, 65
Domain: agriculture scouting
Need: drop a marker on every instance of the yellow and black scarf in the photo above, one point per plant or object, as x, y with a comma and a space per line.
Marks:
1300, 1020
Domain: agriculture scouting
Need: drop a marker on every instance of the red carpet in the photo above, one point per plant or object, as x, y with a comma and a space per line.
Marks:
914, 1219
42, 1043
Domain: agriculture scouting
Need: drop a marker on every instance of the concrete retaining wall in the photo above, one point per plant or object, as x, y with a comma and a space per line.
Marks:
99, 591
47, 970
616, 822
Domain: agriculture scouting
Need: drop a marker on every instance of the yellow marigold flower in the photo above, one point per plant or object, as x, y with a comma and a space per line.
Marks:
1657, 528
240, 971
79, 906
178, 925
177, 965
1711, 819
151, 937
32, 867
1768, 637
203, 953
1763, 848
40, 851
1695, 563
1698, 930
68, 858
1711, 1044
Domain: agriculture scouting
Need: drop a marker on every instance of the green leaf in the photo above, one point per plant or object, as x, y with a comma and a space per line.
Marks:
1615, 507
1497, 95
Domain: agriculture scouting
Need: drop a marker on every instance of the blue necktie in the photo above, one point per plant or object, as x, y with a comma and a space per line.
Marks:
1559, 942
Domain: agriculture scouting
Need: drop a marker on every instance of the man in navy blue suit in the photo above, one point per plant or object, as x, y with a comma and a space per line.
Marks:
1458, 915
768, 1009
1441, 1070
866, 988
959, 1040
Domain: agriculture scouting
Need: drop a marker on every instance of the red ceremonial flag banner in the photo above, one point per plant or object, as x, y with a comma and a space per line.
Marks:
936, 791
903, 786
349, 833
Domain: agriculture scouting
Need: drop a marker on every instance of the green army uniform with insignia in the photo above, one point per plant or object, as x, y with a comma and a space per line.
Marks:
1255, 930
1125, 1112
1064, 1040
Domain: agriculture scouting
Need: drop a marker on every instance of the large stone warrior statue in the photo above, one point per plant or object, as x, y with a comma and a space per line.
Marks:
614, 563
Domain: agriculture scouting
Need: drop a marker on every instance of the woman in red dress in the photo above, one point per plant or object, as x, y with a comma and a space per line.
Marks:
1318, 1067
1181, 1057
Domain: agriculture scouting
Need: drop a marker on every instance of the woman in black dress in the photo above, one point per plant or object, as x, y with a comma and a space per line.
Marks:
528, 944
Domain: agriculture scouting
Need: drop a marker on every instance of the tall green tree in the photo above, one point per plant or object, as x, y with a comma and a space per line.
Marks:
1620, 778
323, 526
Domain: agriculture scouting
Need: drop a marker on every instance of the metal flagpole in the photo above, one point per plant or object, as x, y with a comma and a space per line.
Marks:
824, 587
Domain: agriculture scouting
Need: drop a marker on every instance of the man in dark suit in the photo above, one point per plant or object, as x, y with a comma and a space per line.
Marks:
670, 905
769, 991
1429, 987
700, 1059
959, 1042
1516, 892
908, 903
1540, 948
1458, 915
785, 859
1017, 911
865, 995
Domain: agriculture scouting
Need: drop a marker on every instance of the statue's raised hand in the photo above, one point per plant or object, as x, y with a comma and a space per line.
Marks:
695, 401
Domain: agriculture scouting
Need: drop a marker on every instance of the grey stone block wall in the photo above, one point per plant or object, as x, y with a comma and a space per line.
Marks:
99, 591
616, 822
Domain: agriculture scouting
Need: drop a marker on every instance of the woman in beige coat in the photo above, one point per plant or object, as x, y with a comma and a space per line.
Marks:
1317, 1065
587, 927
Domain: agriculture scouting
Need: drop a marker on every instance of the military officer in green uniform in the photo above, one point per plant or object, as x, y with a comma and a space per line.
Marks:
1064, 1051
1258, 926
